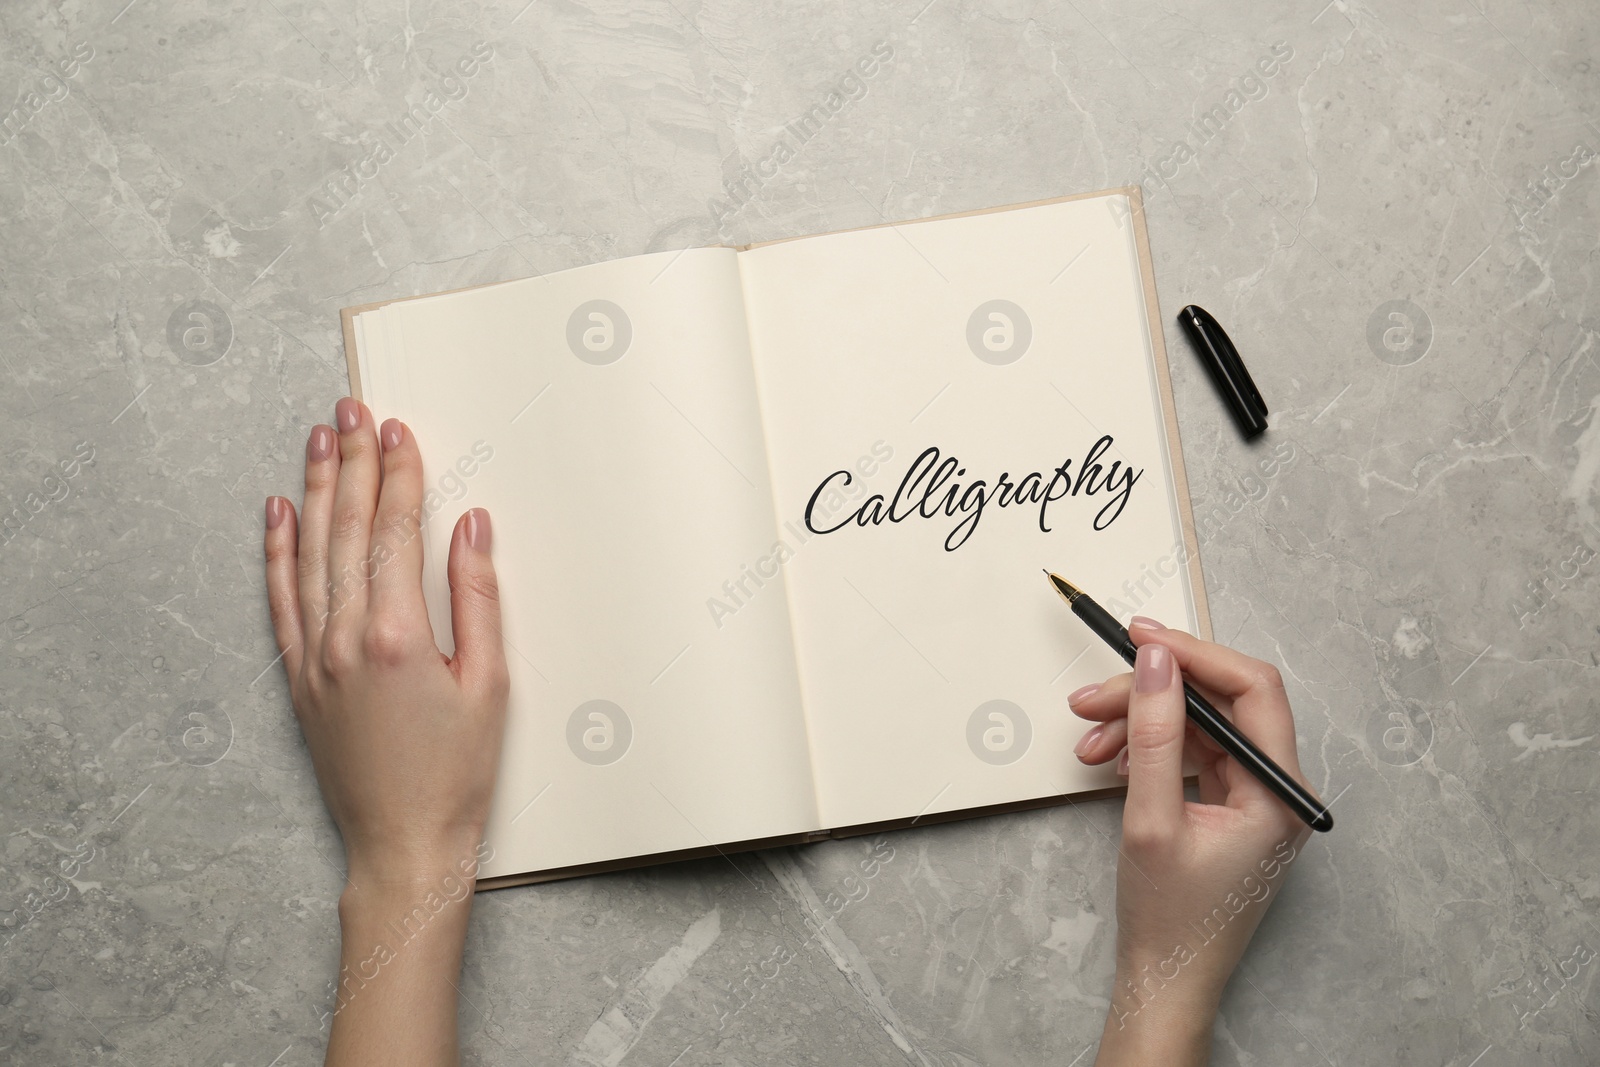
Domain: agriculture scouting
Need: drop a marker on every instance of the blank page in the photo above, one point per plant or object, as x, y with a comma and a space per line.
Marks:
627, 492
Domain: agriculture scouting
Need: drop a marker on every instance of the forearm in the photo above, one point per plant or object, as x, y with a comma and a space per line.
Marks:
399, 962
1173, 1029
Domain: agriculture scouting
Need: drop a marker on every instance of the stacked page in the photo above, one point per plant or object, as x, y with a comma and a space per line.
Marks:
769, 523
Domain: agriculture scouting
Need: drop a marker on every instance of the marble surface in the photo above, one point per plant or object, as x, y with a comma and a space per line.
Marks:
1398, 223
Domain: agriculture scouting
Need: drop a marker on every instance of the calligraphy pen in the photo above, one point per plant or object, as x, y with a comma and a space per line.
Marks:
1301, 800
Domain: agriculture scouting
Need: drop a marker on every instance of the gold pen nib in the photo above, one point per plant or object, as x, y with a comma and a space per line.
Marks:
1068, 591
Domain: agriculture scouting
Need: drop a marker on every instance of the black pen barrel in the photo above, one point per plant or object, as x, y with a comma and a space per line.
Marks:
1105, 627
1300, 800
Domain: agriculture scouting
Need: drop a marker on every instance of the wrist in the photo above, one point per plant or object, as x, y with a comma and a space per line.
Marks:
413, 867
399, 928
365, 906
1186, 974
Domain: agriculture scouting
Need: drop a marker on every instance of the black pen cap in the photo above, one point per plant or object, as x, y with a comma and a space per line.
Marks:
1227, 370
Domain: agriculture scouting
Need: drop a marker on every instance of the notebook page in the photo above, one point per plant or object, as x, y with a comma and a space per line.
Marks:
934, 658
627, 490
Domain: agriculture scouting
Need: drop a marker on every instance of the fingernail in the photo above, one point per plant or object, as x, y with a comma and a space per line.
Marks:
1088, 740
1122, 764
390, 434
1139, 622
1082, 694
348, 414
479, 535
320, 446
275, 511
1152, 669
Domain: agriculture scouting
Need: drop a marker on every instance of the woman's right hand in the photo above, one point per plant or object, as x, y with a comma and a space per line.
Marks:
1194, 879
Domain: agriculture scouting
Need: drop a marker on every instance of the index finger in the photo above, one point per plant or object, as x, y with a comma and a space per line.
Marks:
1260, 706
397, 527
1156, 736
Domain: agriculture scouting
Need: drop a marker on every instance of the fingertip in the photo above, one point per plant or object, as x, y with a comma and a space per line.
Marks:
470, 562
282, 531
348, 414
1148, 631
319, 445
1153, 669
1102, 743
1077, 696
478, 531
1106, 701
391, 434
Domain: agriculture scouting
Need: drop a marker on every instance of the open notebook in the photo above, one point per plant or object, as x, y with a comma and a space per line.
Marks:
769, 522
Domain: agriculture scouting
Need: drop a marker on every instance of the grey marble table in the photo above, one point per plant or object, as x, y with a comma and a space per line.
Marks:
1393, 207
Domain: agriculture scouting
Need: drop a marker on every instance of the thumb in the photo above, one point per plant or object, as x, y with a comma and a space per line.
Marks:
1156, 728
480, 657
